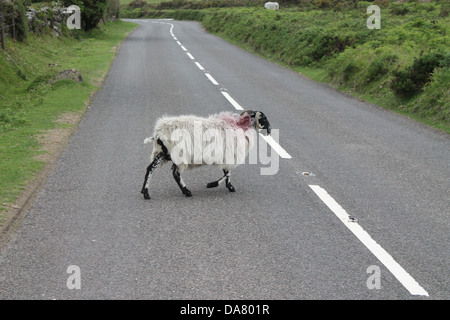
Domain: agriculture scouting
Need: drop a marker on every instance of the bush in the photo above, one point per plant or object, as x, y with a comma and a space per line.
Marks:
445, 11
411, 80
399, 9
349, 70
138, 4
380, 66
435, 102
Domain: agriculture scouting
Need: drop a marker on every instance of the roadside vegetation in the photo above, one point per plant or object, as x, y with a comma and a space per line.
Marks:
404, 66
34, 96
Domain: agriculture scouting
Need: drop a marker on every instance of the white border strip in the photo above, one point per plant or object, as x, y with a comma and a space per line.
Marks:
405, 279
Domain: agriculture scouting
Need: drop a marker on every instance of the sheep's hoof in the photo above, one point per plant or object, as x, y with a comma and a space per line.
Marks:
146, 195
231, 188
187, 192
212, 184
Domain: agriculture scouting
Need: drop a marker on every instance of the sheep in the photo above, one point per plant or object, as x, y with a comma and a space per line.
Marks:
222, 139
272, 5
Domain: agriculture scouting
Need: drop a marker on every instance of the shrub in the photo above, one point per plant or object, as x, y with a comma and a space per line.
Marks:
445, 11
380, 66
411, 80
349, 69
399, 9
435, 101
138, 4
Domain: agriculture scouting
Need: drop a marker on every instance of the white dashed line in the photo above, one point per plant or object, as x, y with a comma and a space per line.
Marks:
275, 146
233, 102
211, 79
404, 277
200, 66
190, 56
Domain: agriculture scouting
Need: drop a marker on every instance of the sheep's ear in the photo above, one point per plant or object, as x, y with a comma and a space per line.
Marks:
251, 113
259, 125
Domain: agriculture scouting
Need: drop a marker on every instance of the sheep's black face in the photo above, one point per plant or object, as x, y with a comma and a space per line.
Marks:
262, 122
259, 120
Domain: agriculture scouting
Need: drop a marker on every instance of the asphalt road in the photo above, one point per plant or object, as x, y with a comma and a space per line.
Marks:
275, 237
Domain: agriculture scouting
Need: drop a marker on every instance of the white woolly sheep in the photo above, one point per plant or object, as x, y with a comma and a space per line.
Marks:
222, 139
272, 5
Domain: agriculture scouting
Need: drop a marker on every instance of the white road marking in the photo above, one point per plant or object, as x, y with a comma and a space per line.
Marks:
211, 79
275, 146
404, 277
182, 47
199, 66
233, 102
179, 43
190, 56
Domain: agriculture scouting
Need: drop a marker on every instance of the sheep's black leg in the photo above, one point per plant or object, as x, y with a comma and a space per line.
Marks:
226, 178
180, 182
228, 182
215, 183
155, 163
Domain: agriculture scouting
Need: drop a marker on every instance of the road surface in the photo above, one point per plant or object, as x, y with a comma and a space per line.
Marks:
358, 207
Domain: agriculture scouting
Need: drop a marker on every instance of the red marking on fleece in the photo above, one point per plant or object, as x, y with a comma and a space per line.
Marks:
244, 122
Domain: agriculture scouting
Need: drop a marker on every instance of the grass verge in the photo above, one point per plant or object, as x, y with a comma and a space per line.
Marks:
36, 112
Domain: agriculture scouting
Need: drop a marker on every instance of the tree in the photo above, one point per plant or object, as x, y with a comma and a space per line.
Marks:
113, 9
17, 9
92, 11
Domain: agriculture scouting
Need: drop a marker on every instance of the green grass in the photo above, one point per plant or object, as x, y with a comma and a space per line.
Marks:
30, 105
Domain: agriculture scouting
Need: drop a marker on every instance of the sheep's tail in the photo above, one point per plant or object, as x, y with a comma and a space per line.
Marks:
148, 140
